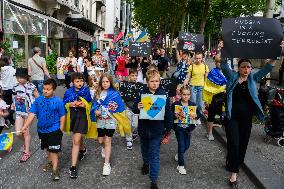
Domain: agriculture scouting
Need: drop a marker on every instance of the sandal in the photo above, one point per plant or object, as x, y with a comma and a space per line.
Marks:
25, 157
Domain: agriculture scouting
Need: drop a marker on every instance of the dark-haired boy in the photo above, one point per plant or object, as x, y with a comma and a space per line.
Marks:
50, 112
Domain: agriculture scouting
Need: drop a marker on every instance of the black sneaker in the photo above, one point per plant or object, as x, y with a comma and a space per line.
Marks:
82, 154
145, 169
154, 185
233, 185
73, 172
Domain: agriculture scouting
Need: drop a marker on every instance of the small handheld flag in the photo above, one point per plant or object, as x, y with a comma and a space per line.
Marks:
6, 141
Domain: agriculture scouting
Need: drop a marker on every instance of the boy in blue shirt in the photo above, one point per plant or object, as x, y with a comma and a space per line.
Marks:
50, 112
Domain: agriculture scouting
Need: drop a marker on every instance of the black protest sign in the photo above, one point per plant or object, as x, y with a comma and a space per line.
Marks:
130, 91
169, 86
190, 41
140, 49
251, 37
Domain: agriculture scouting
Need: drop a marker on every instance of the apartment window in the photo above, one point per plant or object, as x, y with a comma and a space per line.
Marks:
77, 3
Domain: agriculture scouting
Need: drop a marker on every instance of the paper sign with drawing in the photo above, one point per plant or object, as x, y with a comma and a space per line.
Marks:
154, 107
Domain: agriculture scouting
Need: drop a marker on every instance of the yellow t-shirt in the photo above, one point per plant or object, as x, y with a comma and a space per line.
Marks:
198, 74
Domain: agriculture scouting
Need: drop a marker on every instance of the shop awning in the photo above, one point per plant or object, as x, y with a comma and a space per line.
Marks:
83, 24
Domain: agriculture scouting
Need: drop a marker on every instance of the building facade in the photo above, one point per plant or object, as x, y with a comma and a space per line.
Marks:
64, 24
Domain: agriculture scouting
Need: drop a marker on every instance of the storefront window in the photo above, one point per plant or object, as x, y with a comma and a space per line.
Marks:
37, 41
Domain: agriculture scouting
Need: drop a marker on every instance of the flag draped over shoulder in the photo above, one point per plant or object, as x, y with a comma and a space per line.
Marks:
143, 37
83, 95
114, 104
6, 141
214, 84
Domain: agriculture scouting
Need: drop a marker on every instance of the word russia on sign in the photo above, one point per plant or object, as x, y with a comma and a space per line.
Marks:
251, 37
140, 49
190, 41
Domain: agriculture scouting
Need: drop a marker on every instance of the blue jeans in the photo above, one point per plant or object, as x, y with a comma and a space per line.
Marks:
150, 149
183, 138
39, 86
196, 97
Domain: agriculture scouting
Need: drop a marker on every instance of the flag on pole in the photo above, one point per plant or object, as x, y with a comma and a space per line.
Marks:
6, 141
157, 39
128, 38
143, 37
118, 37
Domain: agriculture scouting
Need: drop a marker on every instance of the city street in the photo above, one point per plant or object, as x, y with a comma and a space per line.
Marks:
204, 163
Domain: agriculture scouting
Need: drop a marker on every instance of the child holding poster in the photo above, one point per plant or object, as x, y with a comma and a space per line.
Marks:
185, 119
150, 130
24, 94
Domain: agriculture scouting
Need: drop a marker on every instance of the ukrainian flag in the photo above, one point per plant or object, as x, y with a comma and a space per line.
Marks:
6, 141
214, 84
143, 37
115, 106
128, 38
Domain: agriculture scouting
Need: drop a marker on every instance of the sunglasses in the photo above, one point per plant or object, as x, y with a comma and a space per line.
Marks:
84, 52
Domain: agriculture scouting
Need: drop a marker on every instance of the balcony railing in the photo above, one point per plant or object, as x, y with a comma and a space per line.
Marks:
70, 4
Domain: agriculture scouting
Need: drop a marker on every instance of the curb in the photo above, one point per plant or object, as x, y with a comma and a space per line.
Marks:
255, 167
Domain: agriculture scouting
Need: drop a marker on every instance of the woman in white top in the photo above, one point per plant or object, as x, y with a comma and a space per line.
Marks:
7, 81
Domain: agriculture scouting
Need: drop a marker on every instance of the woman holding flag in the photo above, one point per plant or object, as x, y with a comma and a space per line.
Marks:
213, 92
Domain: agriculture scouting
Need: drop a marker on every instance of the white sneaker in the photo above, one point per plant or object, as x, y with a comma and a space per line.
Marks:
210, 137
129, 145
181, 170
103, 152
176, 157
106, 169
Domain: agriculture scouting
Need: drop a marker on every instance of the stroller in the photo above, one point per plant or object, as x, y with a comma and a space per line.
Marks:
272, 99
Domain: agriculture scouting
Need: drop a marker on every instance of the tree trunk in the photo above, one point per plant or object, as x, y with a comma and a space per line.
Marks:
204, 16
269, 10
184, 14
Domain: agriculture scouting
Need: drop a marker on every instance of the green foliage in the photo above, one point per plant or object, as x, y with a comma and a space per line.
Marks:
167, 15
9, 51
51, 62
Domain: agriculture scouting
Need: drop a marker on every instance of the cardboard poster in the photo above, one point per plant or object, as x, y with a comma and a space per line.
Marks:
183, 114
251, 37
20, 105
61, 68
140, 49
190, 41
154, 107
130, 91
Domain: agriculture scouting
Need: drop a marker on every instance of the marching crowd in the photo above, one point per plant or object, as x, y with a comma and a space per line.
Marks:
92, 106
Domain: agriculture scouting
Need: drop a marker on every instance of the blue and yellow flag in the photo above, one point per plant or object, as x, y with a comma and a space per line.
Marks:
6, 141
114, 105
143, 37
128, 38
214, 84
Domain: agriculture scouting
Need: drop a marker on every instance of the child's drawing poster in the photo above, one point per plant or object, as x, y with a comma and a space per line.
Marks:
154, 107
182, 114
20, 105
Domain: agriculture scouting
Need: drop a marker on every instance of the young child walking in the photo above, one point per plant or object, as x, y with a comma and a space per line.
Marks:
24, 94
50, 112
183, 130
152, 131
77, 101
133, 118
107, 109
